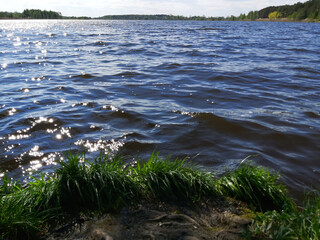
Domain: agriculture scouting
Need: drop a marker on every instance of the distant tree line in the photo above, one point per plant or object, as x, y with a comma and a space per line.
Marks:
298, 11
10, 15
32, 14
41, 14
159, 17
36, 14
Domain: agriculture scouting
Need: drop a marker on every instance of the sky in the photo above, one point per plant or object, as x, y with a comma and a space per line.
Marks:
97, 8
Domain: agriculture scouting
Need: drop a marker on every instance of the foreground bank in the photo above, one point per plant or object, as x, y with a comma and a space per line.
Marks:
154, 199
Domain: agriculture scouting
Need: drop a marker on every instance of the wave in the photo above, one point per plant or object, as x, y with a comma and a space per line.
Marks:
128, 74
209, 29
83, 76
312, 115
137, 146
98, 43
250, 131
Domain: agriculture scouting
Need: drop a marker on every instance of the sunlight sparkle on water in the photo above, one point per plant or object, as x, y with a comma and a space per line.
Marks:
99, 145
51, 159
18, 136
213, 89
35, 165
34, 152
4, 65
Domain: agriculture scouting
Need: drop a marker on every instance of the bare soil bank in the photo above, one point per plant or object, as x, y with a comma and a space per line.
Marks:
216, 219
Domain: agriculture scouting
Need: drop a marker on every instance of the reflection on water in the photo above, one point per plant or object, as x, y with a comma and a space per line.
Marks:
213, 91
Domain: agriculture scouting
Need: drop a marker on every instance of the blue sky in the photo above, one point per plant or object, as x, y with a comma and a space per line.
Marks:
96, 8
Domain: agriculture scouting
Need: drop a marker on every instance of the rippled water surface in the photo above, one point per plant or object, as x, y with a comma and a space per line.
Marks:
216, 92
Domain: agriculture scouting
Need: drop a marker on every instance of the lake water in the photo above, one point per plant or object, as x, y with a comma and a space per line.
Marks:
215, 92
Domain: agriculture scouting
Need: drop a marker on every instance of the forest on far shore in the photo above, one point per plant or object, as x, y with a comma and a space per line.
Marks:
309, 10
298, 11
35, 14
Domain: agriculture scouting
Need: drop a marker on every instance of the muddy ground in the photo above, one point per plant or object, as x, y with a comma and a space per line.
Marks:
214, 219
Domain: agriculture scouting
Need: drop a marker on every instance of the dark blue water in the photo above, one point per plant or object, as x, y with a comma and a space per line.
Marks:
215, 92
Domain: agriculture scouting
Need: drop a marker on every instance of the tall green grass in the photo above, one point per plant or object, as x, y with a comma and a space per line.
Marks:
256, 186
290, 223
18, 220
102, 184
77, 186
106, 184
173, 180
20, 217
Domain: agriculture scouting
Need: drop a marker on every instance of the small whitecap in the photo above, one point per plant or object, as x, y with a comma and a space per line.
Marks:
113, 108
12, 111
16, 44
38, 44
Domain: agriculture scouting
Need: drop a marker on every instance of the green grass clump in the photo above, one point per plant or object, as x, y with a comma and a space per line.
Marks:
172, 180
8, 186
99, 185
256, 186
106, 184
18, 221
77, 186
296, 224
20, 217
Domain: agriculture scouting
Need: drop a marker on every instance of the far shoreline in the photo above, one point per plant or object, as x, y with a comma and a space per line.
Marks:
285, 20
244, 20
124, 19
